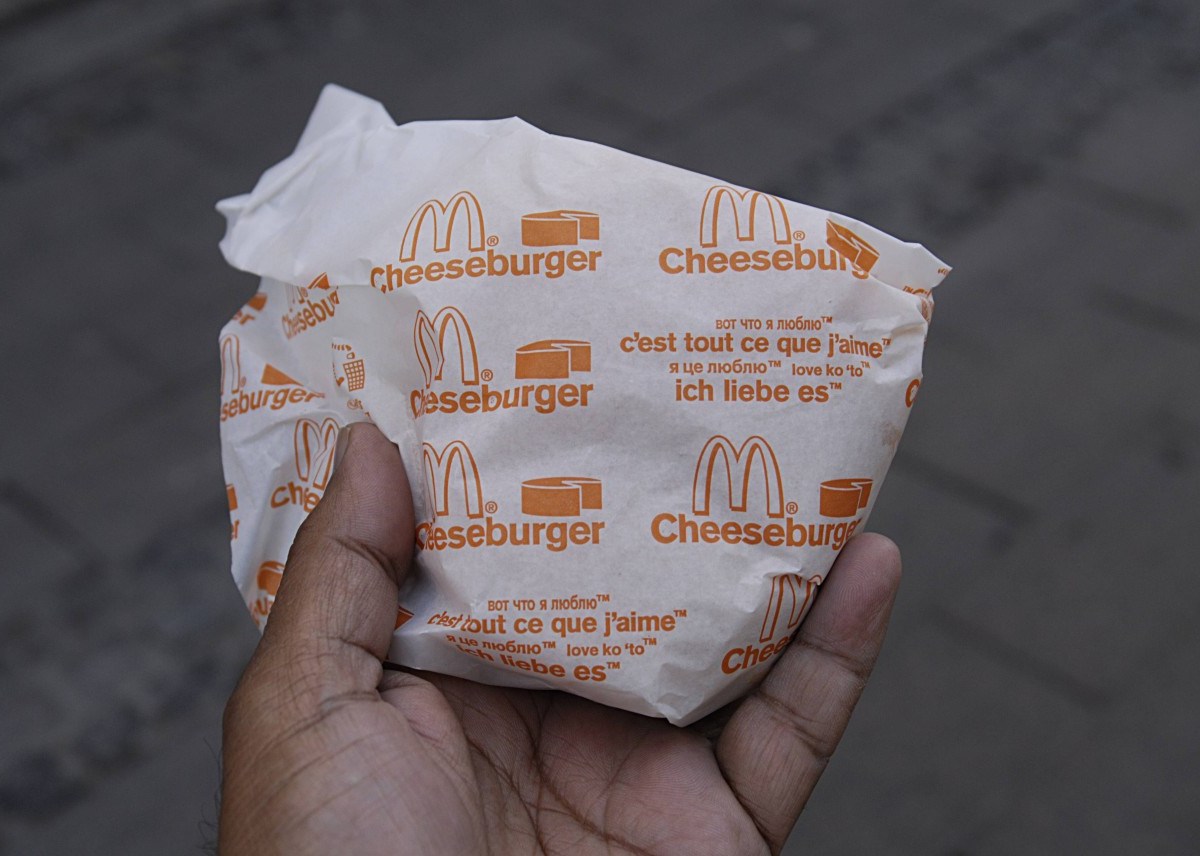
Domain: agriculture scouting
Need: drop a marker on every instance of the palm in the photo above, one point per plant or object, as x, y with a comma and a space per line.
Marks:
550, 773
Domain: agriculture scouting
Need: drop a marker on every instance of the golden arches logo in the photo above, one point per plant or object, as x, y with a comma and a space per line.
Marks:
791, 598
738, 466
314, 444
232, 380
443, 217
441, 466
429, 341
745, 207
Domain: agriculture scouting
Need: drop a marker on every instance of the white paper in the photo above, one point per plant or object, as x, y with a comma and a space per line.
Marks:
641, 409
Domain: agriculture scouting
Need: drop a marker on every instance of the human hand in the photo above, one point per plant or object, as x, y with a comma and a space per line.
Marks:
325, 752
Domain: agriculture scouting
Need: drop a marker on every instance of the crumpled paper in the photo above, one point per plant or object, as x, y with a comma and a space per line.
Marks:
641, 409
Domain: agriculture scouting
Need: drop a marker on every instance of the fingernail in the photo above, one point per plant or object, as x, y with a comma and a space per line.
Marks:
343, 440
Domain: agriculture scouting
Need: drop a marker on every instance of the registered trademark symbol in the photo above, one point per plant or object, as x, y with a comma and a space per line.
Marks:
491, 508
792, 508
798, 235
487, 375
492, 240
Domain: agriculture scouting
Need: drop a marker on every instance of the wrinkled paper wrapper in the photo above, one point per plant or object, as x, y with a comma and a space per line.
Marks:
641, 410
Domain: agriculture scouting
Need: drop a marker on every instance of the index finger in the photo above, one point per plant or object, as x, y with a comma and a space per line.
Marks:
777, 744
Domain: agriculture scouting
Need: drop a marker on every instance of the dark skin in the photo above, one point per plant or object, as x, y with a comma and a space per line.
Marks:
327, 752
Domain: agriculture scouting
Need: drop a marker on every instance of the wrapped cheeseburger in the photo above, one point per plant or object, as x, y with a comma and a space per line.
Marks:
641, 410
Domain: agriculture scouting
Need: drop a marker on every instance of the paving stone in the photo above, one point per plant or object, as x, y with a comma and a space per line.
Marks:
499, 80
97, 33
417, 74
1131, 786
78, 250
1148, 153
939, 746
1055, 344
1114, 550
57, 375
943, 155
97, 478
911, 45
673, 58
747, 141
166, 803
111, 739
168, 649
1022, 13
34, 557
1129, 254
32, 715
37, 783
946, 537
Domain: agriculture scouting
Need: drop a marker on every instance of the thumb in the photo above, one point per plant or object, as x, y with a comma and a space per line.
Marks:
336, 605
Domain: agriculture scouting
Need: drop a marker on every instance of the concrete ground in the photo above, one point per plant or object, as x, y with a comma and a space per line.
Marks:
1039, 689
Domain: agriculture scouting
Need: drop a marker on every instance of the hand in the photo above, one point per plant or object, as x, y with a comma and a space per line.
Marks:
325, 752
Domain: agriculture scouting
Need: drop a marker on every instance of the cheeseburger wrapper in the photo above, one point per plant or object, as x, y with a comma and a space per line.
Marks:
641, 410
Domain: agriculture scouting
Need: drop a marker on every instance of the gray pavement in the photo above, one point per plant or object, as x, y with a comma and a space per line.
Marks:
1038, 692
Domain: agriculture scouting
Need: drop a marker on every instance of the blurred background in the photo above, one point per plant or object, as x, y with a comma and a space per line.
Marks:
1039, 689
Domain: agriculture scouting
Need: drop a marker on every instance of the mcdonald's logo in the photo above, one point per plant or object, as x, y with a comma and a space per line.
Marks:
559, 228
738, 465
560, 496
448, 332
442, 218
429, 341
314, 444
455, 459
481, 258
745, 208
749, 470
453, 472
759, 220
855, 248
552, 359
790, 599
